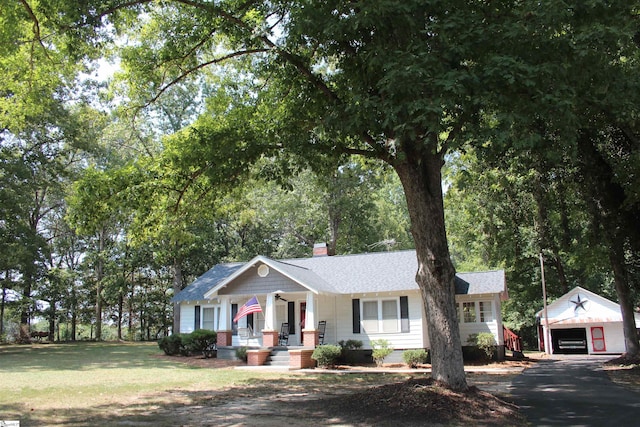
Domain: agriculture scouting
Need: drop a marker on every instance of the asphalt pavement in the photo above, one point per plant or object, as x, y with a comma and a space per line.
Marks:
574, 391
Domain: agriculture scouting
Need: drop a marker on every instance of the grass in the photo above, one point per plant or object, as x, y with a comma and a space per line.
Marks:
134, 384
54, 383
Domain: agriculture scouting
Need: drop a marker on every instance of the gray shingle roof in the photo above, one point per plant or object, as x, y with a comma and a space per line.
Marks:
307, 276
350, 274
196, 290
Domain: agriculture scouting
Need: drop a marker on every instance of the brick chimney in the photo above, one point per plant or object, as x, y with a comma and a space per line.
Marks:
320, 249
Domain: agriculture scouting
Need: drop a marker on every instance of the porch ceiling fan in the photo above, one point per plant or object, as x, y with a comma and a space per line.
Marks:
278, 297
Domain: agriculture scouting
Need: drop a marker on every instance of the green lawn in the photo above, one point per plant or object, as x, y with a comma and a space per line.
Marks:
119, 384
44, 384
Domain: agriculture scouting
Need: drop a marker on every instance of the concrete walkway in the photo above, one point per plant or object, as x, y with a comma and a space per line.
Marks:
574, 391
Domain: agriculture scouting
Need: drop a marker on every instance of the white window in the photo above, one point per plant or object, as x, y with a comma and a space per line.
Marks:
208, 318
370, 316
486, 311
381, 315
469, 312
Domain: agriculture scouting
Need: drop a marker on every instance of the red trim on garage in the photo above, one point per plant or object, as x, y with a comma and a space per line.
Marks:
597, 339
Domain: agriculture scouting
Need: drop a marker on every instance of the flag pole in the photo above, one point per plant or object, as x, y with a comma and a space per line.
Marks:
547, 338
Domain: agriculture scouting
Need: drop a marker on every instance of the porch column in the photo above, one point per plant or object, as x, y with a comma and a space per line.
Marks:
270, 313
269, 333
310, 317
224, 314
224, 329
309, 333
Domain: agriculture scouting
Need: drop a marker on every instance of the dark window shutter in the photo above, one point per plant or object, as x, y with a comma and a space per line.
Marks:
234, 325
404, 314
355, 304
196, 317
291, 316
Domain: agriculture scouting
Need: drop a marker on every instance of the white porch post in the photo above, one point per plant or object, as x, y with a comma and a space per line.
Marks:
270, 313
310, 333
310, 315
224, 314
225, 337
269, 333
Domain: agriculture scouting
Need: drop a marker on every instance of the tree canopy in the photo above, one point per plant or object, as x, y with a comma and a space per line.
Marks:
525, 97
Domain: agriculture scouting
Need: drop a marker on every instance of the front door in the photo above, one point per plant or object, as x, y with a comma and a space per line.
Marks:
597, 339
303, 318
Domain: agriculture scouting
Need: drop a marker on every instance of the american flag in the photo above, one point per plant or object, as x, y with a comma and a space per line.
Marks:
251, 306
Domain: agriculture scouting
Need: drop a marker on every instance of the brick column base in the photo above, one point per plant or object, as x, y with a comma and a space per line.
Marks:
310, 338
257, 357
270, 338
224, 339
301, 359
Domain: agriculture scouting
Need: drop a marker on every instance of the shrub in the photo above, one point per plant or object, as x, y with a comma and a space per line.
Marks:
241, 353
349, 351
201, 340
326, 355
171, 345
413, 358
381, 350
484, 341
350, 344
487, 343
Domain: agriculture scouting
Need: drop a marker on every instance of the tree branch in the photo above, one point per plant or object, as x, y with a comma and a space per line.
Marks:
36, 26
198, 67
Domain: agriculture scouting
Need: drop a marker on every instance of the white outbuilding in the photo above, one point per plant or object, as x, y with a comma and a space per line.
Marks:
582, 322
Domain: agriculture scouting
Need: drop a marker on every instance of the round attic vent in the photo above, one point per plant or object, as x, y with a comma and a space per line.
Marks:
263, 270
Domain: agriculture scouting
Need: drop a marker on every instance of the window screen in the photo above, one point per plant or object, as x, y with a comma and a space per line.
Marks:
207, 318
390, 316
370, 316
486, 311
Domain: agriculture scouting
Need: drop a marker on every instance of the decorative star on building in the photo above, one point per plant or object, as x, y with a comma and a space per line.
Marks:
580, 303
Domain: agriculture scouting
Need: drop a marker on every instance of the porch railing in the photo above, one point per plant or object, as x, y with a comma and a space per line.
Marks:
512, 341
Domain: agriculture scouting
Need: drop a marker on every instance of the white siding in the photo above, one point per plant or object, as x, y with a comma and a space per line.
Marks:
187, 315
337, 311
494, 326
326, 310
613, 338
398, 340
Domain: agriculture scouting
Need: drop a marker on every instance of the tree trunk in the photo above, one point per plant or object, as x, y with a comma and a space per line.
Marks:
4, 296
130, 331
607, 199
621, 281
120, 310
335, 218
562, 277
99, 276
52, 321
420, 175
177, 287
74, 314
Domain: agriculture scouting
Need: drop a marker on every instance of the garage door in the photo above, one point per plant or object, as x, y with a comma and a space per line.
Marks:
569, 341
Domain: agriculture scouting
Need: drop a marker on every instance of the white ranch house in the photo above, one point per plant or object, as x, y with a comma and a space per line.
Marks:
582, 322
359, 297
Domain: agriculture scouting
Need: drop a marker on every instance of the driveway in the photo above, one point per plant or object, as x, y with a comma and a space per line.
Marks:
574, 391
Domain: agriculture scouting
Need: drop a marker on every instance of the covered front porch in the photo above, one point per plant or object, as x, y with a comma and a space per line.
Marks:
286, 320
283, 310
